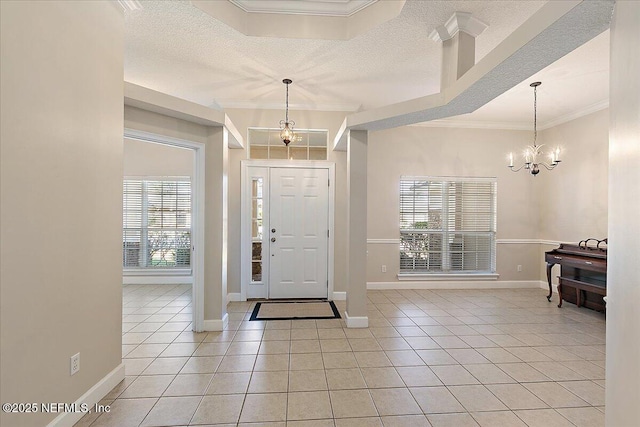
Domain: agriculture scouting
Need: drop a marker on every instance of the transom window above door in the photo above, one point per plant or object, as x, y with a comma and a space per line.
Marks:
307, 145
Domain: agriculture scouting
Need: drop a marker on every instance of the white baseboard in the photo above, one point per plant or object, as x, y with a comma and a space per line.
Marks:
157, 280
217, 324
234, 296
356, 322
90, 398
466, 284
339, 296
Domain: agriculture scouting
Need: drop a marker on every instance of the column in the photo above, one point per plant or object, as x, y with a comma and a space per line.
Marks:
356, 314
216, 229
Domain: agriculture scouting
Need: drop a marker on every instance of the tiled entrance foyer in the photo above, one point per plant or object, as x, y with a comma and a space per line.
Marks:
441, 358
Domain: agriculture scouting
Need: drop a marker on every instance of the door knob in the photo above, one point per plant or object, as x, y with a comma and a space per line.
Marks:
273, 239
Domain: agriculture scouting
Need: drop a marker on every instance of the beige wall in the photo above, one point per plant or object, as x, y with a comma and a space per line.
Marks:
61, 213
568, 204
244, 119
574, 204
432, 151
147, 121
156, 160
623, 275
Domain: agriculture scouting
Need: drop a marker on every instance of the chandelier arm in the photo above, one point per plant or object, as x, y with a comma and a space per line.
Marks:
522, 166
547, 166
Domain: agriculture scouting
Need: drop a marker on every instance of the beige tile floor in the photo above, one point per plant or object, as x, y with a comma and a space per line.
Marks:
429, 358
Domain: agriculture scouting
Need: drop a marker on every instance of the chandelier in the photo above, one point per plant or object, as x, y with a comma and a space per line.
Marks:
533, 154
286, 126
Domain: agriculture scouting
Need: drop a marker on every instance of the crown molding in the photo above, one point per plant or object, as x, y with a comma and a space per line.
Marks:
481, 124
600, 105
475, 124
279, 106
129, 5
459, 21
309, 7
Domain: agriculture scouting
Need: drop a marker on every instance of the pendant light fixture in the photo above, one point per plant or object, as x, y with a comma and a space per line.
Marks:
286, 126
533, 153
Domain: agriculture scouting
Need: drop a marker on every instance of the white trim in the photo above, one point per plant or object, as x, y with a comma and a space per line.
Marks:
488, 124
383, 241
459, 21
252, 105
474, 124
91, 397
339, 296
156, 280
308, 8
356, 322
498, 241
600, 105
430, 277
197, 212
467, 284
234, 296
526, 242
448, 178
215, 325
157, 272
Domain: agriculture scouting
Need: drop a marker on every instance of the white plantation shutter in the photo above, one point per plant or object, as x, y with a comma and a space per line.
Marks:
157, 223
447, 225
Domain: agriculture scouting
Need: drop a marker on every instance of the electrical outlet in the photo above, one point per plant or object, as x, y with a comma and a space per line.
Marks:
519, 268
75, 363
384, 268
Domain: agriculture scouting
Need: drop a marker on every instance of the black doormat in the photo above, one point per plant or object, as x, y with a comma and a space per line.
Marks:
292, 310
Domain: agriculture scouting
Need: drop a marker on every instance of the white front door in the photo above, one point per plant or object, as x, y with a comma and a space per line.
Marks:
298, 233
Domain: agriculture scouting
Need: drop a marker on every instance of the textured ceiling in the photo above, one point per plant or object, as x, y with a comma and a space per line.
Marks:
175, 48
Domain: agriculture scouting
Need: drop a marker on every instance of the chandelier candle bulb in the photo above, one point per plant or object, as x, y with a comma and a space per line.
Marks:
510, 160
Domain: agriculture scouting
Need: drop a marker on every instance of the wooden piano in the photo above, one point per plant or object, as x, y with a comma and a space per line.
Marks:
583, 273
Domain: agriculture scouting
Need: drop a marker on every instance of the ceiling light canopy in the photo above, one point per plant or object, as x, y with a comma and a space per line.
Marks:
286, 133
533, 153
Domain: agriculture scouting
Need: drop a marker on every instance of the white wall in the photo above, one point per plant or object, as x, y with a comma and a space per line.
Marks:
61, 207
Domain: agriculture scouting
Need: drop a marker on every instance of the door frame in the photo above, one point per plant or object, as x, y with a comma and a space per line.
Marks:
245, 216
197, 215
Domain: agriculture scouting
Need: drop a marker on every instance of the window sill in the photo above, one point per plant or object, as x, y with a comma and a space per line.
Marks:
157, 272
447, 276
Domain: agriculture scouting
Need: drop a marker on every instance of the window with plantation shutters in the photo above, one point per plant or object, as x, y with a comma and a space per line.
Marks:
156, 223
447, 225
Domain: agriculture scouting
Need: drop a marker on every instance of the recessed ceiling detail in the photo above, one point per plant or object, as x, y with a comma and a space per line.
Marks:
302, 19
304, 7
459, 21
